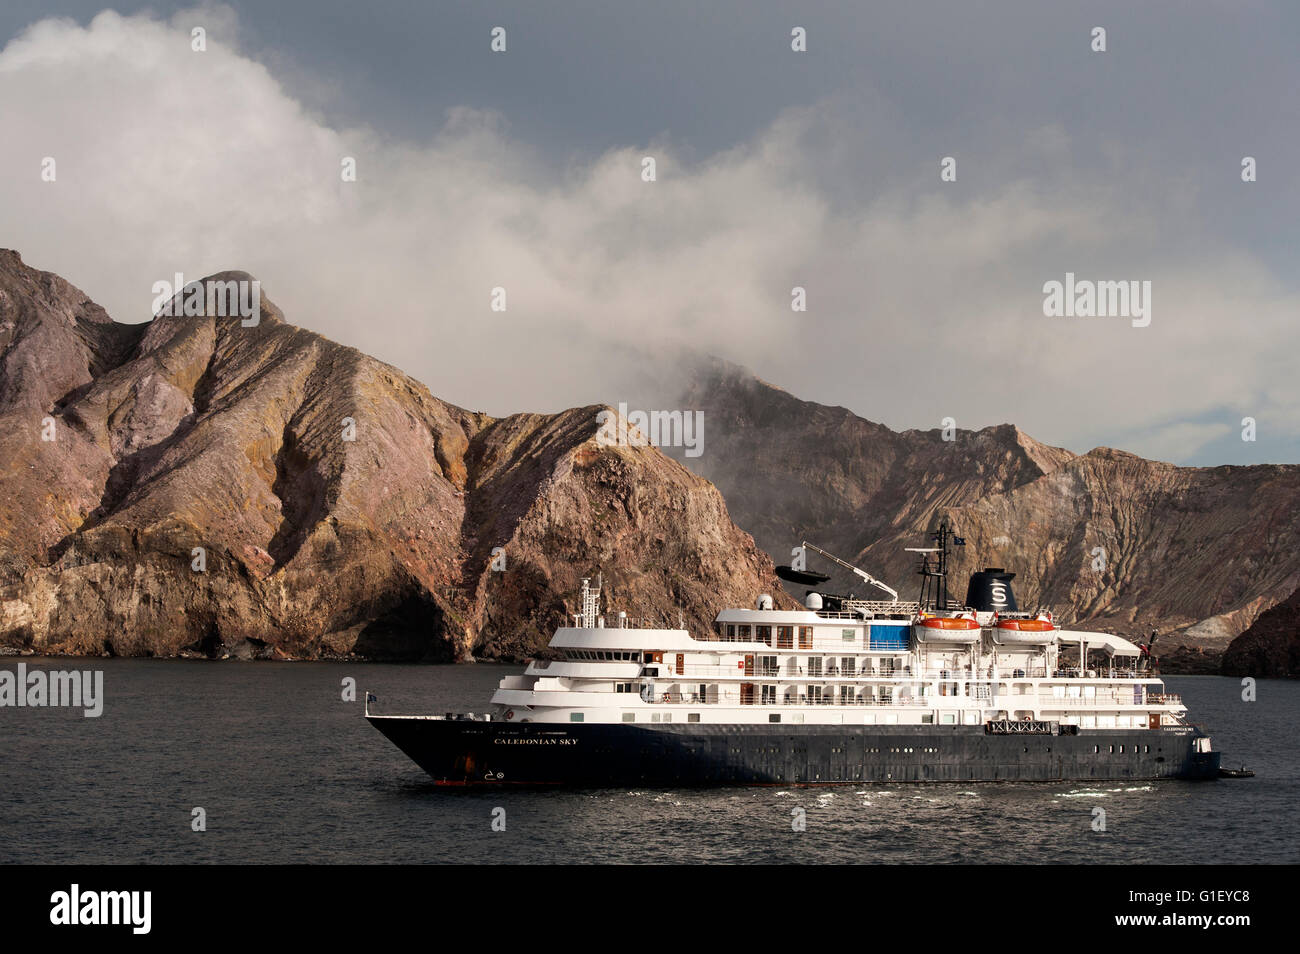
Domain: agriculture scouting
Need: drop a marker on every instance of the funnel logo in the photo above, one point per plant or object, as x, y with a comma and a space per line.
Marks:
999, 594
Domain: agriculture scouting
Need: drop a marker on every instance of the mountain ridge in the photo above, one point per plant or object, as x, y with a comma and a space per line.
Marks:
1196, 553
334, 504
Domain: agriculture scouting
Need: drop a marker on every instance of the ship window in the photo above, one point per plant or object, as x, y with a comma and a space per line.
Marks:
774, 717
927, 718
805, 637
848, 635
784, 637
692, 717
629, 716
731, 631
575, 716
848, 665
949, 718
769, 695
815, 666
743, 632
668, 717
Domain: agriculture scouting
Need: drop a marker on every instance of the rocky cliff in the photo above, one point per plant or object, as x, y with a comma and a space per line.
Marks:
195, 485
1271, 646
1111, 540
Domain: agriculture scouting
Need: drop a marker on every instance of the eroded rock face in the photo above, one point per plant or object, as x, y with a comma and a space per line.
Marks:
1271, 646
1197, 553
334, 505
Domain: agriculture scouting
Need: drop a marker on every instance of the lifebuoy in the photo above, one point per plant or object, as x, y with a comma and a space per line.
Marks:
510, 714
740, 664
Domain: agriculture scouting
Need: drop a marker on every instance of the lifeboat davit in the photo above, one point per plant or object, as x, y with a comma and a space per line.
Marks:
960, 630
1037, 631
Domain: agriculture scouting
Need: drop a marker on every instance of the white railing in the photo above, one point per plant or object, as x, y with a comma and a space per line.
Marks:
735, 699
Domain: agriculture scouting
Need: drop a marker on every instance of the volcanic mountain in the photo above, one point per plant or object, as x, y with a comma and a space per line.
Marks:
1107, 539
196, 485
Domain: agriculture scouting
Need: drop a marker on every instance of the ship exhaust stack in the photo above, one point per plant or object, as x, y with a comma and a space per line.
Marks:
990, 591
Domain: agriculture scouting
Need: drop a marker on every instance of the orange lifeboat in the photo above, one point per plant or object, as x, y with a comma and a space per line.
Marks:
1027, 625
1035, 631
949, 622
947, 629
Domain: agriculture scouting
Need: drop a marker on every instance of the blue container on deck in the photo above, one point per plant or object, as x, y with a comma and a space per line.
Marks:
890, 636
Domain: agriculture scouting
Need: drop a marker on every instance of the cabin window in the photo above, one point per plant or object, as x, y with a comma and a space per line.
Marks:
774, 717
623, 687
848, 635
668, 717
949, 718
784, 637
796, 717
731, 630
629, 716
815, 666
769, 665
805, 637
769, 695
742, 632
692, 717
575, 716
848, 665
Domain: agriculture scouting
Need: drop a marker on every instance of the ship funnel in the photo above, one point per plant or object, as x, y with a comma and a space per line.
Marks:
990, 591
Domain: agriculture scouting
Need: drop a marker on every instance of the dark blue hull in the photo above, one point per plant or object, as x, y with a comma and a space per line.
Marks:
463, 752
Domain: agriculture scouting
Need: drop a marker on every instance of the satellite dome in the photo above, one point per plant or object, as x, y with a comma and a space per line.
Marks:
813, 601
765, 601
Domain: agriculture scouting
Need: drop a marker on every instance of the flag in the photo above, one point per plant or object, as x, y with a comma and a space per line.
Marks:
371, 697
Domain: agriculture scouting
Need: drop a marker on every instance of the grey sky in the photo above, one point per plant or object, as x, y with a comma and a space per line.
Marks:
776, 169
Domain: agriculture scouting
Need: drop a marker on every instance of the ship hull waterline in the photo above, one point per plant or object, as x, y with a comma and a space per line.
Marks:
461, 753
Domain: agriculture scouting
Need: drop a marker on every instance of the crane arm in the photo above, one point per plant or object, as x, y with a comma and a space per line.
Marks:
849, 566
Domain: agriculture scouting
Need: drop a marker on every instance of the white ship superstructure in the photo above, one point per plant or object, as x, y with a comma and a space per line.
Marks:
879, 663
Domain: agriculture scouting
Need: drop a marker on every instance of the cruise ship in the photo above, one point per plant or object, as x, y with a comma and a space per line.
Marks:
841, 691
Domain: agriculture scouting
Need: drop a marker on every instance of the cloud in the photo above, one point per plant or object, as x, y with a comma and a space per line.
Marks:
924, 298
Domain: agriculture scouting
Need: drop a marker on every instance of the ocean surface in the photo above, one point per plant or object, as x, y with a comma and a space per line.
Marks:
286, 771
